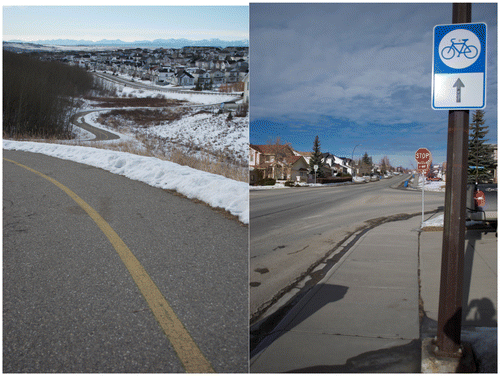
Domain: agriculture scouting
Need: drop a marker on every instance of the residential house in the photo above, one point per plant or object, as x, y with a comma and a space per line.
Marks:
184, 79
337, 165
278, 162
218, 77
165, 76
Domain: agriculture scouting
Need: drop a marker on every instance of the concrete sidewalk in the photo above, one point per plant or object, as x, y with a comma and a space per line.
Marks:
479, 315
364, 315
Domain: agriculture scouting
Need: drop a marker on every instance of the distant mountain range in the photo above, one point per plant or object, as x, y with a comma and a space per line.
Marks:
157, 43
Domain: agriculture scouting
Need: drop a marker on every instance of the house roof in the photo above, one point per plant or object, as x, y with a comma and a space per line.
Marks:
305, 153
271, 149
294, 159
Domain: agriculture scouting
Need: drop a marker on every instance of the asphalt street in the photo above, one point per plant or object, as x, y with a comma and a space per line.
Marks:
292, 229
70, 303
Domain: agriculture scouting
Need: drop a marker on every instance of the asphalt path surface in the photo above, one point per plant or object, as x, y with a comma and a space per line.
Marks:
292, 229
70, 303
100, 134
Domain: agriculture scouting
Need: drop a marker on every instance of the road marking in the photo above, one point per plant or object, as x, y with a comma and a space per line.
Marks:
188, 352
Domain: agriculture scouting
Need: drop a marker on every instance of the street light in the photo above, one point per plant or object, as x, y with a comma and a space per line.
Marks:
352, 156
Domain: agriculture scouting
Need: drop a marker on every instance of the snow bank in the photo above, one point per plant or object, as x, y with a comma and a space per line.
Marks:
431, 186
215, 190
437, 221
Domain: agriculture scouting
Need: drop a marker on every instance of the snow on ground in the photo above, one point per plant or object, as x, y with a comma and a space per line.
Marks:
198, 98
280, 185
230, 137
207, 130
437, 221
431, 186
159, 90
215, 190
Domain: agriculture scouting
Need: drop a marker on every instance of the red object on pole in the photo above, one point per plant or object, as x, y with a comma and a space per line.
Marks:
479, 198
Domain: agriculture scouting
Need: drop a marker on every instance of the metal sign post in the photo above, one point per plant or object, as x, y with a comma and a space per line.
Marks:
423, 183
423, 157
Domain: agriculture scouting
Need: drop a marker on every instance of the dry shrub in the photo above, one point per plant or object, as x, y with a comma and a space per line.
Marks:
140, 117
132, 101
208, 163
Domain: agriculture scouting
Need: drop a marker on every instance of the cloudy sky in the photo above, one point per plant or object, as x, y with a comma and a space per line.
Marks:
128, 23
355, 74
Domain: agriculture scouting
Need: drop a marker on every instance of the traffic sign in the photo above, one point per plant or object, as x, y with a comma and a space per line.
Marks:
423, 168
459, 66
422, 155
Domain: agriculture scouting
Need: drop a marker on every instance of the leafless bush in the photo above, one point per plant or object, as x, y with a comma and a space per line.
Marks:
38, 96
139, 117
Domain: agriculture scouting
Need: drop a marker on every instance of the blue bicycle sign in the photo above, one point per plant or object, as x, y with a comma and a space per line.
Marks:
459, 66
469, 51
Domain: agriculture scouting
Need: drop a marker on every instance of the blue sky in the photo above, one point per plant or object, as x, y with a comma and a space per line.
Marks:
355, 74
127, 23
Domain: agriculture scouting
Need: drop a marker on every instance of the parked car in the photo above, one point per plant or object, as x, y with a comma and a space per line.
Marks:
487, 212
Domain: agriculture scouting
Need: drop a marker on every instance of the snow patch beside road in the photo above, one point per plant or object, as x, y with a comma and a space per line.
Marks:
215, 190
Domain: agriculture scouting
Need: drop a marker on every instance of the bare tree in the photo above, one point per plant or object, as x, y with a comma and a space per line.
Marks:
280, 151
385, 165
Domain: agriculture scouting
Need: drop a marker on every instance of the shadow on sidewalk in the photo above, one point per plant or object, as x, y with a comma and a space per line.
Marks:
398, 359
323, 295
478, 323
479, 312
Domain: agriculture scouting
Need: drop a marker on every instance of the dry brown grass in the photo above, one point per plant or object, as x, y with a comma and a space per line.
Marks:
141, 117
135, 102
208, 163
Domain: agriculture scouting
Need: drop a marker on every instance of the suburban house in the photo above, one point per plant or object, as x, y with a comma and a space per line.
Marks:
278, 162
165, 76
218, 77
337, 165
184, 79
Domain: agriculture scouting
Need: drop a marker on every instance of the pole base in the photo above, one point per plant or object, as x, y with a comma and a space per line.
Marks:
435, 361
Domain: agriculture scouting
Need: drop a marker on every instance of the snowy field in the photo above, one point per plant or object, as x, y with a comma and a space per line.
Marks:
198, 130
204, 129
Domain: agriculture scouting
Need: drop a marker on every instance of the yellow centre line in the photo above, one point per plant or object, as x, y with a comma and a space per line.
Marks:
188, 352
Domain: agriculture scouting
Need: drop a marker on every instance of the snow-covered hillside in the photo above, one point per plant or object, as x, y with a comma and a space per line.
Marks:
200, 130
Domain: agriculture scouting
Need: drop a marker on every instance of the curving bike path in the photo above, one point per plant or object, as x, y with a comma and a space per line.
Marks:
100, 134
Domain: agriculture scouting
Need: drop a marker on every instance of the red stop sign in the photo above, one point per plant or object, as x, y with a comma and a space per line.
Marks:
422, 155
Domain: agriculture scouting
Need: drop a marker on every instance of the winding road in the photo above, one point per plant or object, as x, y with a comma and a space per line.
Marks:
100, 134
